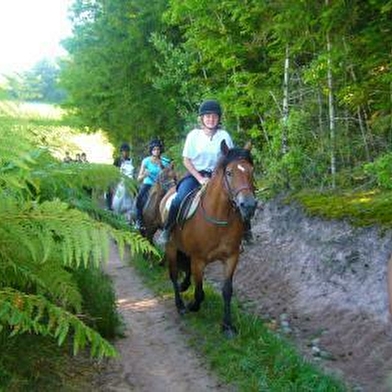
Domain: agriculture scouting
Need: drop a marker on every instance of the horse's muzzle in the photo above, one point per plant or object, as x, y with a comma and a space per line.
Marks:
247, 205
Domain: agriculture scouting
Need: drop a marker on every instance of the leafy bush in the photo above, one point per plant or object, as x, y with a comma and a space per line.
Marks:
381, 171
42, 366
99, 301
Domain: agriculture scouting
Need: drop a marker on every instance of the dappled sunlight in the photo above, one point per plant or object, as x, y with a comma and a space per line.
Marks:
61, 138
363, 198
138, 305
28, 110
43, 110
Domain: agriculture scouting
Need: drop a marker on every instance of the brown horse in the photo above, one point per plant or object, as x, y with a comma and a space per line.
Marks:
215, 231
167, 179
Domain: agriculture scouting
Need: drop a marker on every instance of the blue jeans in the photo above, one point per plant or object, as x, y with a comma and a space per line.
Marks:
186, 185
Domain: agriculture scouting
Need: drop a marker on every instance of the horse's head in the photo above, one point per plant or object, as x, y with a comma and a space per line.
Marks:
237, 166
167, 178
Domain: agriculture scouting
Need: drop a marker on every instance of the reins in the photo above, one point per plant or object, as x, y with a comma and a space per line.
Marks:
210, 219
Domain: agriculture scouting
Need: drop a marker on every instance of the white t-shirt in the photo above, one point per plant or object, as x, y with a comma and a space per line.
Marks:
204, 151
127, 168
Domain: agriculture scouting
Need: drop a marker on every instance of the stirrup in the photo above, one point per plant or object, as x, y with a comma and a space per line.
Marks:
139, 226
163, 238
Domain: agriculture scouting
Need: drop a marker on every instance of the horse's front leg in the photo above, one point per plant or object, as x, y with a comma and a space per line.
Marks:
184, 286
227, 292
197, 269
171, 254
185, 264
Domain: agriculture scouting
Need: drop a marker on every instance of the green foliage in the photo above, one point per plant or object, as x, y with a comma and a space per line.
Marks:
360, 208
36, 315
50, 232
236, 51
381, 170
36, 363
99, 302
108, 76
39, 84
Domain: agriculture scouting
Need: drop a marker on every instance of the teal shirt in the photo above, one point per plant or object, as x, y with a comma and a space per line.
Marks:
153, 169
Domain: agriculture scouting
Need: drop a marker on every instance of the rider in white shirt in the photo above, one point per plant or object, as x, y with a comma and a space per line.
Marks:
200, 155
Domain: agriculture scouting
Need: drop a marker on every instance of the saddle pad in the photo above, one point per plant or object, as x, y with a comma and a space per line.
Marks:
189, 205
165, 211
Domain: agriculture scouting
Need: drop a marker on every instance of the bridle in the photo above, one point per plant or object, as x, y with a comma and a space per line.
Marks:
232, 195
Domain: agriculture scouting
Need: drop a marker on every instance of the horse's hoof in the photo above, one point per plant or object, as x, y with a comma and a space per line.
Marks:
181, 311
193, 307
230, 332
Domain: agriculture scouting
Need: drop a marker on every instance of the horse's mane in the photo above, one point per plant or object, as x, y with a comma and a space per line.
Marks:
234, 154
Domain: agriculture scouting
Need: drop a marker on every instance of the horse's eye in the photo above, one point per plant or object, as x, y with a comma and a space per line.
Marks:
229, 173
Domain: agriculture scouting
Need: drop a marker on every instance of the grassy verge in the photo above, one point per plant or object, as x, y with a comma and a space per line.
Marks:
257, 359
359, 208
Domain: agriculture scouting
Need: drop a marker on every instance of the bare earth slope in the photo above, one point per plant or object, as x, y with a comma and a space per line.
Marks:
327, 281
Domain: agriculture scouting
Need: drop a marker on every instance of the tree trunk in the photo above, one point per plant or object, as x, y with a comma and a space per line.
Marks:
332, 134
285, 102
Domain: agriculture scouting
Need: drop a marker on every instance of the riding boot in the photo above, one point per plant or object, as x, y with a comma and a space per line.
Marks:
164, 237
139, 224
248, 235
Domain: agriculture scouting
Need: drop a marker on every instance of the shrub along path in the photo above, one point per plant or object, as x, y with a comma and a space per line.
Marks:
153, 355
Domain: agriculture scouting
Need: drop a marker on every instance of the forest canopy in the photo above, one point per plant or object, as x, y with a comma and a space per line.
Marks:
39, 84
308, 82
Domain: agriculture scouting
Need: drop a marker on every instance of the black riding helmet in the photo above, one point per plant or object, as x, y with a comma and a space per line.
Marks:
155, 143
210, 106
125, 147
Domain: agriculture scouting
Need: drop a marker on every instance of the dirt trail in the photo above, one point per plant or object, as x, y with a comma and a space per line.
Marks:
154, 356
321, 284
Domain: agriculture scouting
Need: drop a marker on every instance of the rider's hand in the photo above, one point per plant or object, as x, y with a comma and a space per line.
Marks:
204, 180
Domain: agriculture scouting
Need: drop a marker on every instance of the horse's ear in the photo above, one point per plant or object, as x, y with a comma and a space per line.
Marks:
248, 146
224, 147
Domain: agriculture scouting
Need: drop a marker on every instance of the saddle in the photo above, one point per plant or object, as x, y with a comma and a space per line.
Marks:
188, 205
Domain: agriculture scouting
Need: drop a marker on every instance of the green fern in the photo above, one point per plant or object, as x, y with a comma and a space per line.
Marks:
49, 227
35, 314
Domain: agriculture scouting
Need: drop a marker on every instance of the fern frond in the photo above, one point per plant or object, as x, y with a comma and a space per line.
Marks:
61, 180
35, 314
95, 211
48, 229
50, 279
81, 239
13, 143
